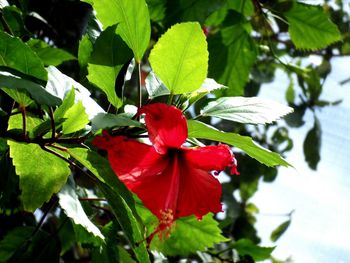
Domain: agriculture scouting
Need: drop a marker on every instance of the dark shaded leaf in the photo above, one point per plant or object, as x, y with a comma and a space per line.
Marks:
312, 145
247, 247
279, 231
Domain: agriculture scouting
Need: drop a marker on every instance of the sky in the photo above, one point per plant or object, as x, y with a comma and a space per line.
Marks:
320, 229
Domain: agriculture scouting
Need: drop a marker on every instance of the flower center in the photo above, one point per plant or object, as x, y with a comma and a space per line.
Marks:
167, 217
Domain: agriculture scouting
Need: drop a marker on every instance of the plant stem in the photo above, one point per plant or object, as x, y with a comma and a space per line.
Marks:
53, 126
139, 88
24, 122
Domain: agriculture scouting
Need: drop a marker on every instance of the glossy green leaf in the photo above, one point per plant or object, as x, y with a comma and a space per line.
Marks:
200, 130
17, 55
13, 17
49, 55
118, 196
232, 54
20, 96
312, 145
76, 118
41, 174
107, 120
247, 247
108, 57
180, 58
181, 240
208, 86
279, 231
310, 28
36, 91
252, 110
132, 18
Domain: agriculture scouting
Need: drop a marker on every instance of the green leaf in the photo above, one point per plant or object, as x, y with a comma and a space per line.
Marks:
133, 22
279, 231
12, 241
242, 6
312, 145
208, 86
20, 245
107, 59
32, 121
118, 196
41, 174
247, 247
232, 53
187, 236
14, 20
110, 252
36, 91
76, 118
180, 58
17, 55
156, 9
246, 110
200, 130
20, 96
69, 202
60, 85
107, 120
310, 28
49, 55
84, 51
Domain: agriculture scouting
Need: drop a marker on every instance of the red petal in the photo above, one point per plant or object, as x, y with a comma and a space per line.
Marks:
166, 125
209, 158
200, 192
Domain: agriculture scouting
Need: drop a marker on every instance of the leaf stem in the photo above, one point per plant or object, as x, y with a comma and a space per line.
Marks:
53, 126
139, 87
24, 122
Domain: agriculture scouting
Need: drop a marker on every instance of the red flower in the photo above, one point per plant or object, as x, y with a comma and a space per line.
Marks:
171, 180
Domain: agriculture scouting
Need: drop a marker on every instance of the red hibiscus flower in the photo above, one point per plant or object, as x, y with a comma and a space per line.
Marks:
171, 180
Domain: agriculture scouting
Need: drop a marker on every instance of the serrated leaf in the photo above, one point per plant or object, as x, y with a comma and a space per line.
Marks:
310, 28
252, 110
107, 59
20, 96
247, 247
76, 118
69, 202
118, 196
107, 120
60, 85
207, 87
190, 235
312, 145
17, 55
184, 48
49, 55
279, 231
200, 130
32, 121
132, 18
36, 91
41, 174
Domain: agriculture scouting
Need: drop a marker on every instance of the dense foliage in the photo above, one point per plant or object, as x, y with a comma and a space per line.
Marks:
70, 69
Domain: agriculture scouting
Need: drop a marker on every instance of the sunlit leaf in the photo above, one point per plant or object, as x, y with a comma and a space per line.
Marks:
49, 55
41, 174
84, 51
20, 96
279, 231
246, 110
132, 18
247, 247
17, 55
107, 59
76, 118
310, 27
200, 130
69, 202
180, 58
